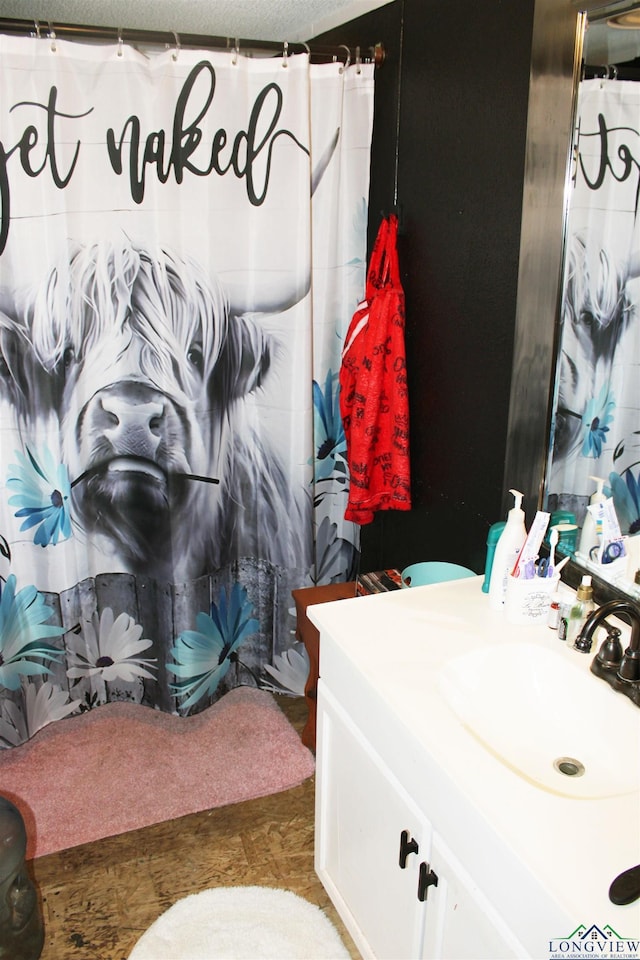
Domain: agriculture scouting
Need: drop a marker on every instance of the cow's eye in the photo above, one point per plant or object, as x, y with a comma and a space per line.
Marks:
196, 357
68, 357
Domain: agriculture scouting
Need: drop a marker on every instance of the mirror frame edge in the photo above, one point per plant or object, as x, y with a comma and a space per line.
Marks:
556, 53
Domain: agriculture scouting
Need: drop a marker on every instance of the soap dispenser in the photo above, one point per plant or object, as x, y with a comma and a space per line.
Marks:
507, 552
589, 535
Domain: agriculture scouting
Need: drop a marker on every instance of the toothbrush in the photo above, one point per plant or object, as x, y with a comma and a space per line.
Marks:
553, 540
532, 544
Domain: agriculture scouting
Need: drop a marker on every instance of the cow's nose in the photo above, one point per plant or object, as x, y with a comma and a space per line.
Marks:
132, 429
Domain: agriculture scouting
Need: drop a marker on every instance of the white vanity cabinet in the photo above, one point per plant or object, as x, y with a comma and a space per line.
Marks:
523, 855
465, 926
397, 886
361, 814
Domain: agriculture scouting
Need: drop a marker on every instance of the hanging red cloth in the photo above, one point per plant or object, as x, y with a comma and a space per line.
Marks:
374, 403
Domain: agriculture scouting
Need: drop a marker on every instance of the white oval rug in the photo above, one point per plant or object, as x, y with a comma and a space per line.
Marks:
241, 923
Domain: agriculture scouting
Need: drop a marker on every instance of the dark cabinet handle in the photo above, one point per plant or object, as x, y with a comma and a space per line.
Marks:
426, 878
407, 846
626, 887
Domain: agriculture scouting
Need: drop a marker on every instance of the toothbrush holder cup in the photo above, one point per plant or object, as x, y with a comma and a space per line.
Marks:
527, 601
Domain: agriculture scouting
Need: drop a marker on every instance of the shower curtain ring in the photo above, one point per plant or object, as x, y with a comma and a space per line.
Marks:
345, 47
119, 41
176, 52
358, 61
36, 24
52, 37
236, 49
285, 54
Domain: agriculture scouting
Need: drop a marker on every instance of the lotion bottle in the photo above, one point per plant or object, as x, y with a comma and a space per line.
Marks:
507, 552
589, 536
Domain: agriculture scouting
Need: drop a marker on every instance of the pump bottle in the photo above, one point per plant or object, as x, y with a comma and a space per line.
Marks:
579, 611
507, 552
589, 536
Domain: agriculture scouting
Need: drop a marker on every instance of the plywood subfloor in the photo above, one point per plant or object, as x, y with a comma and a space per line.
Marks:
97, 899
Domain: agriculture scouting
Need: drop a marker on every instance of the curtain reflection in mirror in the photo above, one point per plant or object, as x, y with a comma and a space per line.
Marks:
596, 413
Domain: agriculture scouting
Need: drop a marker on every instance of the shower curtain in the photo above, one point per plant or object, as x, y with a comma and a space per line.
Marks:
182, 246
596, 422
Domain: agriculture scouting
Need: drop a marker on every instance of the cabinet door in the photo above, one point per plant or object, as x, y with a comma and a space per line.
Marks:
363, 815
466, 927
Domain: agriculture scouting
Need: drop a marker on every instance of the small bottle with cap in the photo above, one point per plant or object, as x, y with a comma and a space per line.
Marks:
580, 610
589, 536
553, 616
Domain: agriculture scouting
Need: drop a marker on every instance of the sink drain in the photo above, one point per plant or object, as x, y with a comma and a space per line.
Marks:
569, 767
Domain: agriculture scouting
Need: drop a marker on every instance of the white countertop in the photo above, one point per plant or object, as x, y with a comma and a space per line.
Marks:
535, 854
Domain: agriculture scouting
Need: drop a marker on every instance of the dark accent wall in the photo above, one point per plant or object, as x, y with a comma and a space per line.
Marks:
453, 157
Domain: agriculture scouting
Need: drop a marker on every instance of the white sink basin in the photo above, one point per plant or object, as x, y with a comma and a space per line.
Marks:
552, 723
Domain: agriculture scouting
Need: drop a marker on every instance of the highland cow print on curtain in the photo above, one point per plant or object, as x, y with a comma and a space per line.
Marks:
596, 422
182, 245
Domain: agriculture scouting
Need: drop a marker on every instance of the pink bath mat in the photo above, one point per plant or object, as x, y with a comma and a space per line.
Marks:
124, 766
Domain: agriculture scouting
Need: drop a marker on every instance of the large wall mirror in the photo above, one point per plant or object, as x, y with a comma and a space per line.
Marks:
575, 396
593, 468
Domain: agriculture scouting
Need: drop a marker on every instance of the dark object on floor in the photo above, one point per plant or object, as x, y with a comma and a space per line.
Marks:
21, 929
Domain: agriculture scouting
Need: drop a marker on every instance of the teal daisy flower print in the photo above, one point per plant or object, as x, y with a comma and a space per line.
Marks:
43, 496
596, 420
23, 632
625, 490
330, 441
203, 656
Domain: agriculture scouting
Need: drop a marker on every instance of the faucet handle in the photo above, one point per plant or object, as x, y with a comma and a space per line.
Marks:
610, 652
629, 669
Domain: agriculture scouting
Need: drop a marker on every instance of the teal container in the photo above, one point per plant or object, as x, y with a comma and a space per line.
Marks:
567, 533
495, 531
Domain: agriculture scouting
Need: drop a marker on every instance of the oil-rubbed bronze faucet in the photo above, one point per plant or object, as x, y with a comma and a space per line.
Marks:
620, 669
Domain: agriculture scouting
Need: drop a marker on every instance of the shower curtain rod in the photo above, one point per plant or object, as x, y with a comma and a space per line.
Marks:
71, 31
610, 71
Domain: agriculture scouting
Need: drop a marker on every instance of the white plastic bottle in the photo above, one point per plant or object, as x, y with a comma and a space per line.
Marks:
589, 536
507, 552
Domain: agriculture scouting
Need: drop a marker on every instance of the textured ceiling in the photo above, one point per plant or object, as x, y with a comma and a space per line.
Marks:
276, 20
